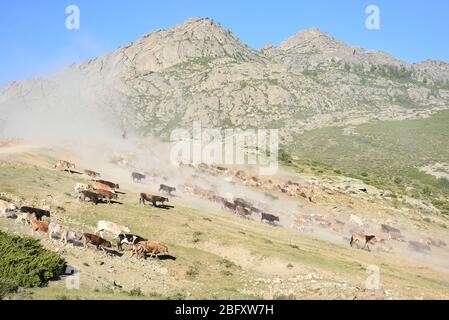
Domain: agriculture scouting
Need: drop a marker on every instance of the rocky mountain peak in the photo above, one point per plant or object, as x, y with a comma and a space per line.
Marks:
303, 37
195, 38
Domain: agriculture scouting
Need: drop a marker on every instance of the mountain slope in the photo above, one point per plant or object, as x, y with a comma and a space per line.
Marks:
199, 71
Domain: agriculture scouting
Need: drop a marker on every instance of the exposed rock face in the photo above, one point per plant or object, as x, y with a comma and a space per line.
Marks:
311, 47
435, 69
199, 71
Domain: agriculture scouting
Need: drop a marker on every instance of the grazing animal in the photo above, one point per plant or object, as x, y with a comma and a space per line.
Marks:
151, 198
418, 246
106, 195
64, 165
243, 212
80, 187
97, 241
242, 203
6, 206
111, 227
167, 189
229, 205
90, 195
37, 225
25, 217
216, 198
137, 177
109, 184
102, 186
91, 173
269, 217
63, 233
365, 239
40, 213
151, 247
128, 239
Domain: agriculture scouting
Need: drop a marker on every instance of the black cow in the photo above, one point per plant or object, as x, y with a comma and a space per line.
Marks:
38, 212
269, 217
167, 189
242, 203
151, 198
138, 177
126, 238
90, 195
229, 205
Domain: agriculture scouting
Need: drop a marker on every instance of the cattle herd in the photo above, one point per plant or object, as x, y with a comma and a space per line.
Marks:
97, 191
102, 191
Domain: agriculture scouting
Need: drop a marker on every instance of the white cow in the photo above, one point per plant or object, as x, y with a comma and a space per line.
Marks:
80, 187
6, 206
63, 233
25, 217
111, 227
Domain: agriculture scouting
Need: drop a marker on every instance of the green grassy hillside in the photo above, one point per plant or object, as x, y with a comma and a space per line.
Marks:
386, 154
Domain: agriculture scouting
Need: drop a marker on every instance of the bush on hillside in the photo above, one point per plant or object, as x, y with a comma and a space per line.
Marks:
25, 263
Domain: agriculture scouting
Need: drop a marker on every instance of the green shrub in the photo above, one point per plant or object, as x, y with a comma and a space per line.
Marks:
196, 236
226, 263
176, 296
25, 263
7, 286
284, 156
136, 292
192, 271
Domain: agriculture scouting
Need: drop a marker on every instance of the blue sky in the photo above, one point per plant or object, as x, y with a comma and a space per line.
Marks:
34, 40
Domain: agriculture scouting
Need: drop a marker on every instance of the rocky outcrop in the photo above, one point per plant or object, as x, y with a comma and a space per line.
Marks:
199, 71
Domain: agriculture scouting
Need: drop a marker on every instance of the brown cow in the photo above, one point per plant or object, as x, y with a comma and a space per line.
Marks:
37, 225
102, 186
242, 212
91, 173
151, 247
364, 239
64, 165
109, 183
106, 195
97, 241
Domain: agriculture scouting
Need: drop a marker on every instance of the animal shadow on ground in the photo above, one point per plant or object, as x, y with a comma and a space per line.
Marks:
100, 201
162, 257
165, 206
73, 171
116, 202
120, 192
113, 252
